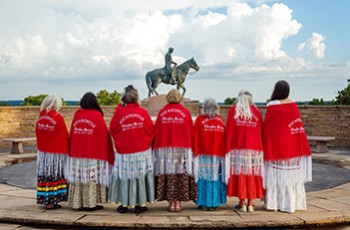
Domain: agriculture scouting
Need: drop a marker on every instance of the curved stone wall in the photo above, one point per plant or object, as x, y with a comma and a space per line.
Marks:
318, 120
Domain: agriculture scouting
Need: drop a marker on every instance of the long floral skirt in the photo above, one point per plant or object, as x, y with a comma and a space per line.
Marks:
245, 186
86, 195
176, 187
132, 192
51, 190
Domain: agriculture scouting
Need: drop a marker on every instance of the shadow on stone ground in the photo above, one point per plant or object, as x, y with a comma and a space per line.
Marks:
324, 176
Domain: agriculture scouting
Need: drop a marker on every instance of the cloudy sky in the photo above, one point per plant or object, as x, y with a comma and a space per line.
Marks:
67, 47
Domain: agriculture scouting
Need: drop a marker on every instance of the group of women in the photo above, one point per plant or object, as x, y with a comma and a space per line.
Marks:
173, 159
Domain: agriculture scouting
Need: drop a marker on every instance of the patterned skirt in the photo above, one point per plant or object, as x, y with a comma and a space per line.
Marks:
176, 187
51, 190
86, 195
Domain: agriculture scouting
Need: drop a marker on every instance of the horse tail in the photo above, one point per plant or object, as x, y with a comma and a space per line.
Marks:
149, 84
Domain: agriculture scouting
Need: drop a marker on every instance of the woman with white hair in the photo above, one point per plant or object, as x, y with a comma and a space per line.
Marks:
244, 149
209, 156
52, 143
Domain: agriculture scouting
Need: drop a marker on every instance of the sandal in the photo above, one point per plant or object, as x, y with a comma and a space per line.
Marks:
171, 207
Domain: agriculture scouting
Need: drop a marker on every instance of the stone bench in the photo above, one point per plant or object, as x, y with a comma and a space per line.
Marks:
17, 143
321, 143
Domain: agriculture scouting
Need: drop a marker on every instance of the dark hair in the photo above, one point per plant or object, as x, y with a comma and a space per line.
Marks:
281, 91
130, 95
89, 101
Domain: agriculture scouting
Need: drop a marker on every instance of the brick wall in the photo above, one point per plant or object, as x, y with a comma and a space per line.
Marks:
318, 120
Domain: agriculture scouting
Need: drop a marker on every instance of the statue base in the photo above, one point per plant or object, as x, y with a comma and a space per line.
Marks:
155, 103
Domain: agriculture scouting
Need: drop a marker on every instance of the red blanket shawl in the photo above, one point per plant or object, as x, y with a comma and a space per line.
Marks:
132, 129
89, 136
244, 134
51, 133
209, 136
284, 134
174, 127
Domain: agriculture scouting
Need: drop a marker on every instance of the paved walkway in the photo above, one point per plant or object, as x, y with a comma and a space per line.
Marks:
327, 207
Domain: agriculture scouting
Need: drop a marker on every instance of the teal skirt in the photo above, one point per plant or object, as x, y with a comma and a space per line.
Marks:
132, 192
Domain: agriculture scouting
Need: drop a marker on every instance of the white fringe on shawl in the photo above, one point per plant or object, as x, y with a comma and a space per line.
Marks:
134, 165
84, 170
172, 161
244, 161
52, 164
288, 172
208, 167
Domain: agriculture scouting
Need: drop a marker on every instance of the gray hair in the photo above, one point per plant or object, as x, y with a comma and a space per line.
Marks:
210, 108
243, 102
130, 95
51, 102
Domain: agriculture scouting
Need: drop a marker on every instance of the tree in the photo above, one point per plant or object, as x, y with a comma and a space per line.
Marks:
4, 103
229, 100
316, 101
106, 98
37, 100
34, 100
343, 97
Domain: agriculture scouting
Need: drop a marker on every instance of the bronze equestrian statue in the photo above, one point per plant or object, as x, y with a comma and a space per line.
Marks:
170, 75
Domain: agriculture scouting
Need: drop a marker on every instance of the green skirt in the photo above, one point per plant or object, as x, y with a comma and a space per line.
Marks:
132, 192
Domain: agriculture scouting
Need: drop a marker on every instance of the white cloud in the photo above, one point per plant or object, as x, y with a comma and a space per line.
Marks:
119, 41
316, 45
301, 46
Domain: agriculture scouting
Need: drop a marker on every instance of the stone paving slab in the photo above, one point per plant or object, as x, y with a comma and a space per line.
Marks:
108, 220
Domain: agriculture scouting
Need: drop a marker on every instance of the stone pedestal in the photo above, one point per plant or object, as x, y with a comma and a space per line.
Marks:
156, 103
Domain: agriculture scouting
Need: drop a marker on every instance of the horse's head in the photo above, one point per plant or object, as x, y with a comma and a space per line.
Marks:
193, 64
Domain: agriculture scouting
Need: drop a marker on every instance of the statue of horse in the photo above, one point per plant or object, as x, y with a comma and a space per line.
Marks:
156, 76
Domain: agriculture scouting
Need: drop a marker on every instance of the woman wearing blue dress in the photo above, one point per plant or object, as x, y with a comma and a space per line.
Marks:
209, 161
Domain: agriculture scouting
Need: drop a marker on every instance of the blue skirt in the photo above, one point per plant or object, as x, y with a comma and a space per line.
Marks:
211, 193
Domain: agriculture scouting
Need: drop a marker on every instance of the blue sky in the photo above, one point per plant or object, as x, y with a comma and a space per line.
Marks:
71, 47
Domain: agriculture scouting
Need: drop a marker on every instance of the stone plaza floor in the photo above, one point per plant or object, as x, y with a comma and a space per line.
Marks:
328, 201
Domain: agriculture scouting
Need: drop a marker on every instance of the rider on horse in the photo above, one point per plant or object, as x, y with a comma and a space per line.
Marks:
168, 68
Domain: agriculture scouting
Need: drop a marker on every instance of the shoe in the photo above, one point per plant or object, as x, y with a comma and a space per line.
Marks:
140, 209
178, 209
242, 208
250, 208
122, 209
212, 208
202, 207
97, 207
56, 206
